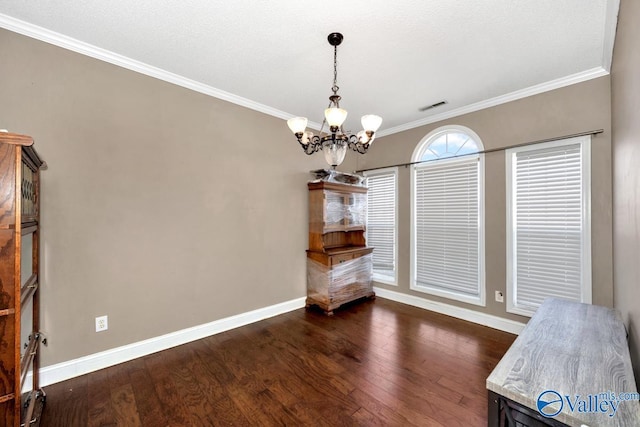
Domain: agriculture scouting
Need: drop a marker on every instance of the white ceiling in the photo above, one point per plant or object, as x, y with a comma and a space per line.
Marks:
397, 56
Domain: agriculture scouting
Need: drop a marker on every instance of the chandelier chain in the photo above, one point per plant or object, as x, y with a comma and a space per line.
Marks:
335, 71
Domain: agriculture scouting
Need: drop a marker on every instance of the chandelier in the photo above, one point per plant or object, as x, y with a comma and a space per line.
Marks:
334, 144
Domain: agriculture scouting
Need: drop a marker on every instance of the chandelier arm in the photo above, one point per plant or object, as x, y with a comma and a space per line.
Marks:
356, 145
314, 145
353, 142
317, 143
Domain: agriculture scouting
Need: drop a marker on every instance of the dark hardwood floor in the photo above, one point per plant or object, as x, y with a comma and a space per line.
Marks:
373, 363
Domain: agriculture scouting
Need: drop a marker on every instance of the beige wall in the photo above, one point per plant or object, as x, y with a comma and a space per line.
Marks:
162, 208
625, 93
577, 108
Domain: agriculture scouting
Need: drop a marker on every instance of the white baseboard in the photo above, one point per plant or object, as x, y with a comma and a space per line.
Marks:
83, 365
93, 362
489, 320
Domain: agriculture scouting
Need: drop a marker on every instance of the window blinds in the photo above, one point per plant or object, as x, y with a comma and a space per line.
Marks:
381, 222
447, 224
547, 234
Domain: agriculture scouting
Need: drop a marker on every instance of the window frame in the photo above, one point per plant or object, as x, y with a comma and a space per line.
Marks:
379, 277
586, 286
422, 146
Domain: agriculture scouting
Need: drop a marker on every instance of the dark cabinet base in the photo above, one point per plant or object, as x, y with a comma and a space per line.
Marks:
507, 413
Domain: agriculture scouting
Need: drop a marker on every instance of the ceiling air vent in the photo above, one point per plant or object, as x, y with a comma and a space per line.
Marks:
429, 107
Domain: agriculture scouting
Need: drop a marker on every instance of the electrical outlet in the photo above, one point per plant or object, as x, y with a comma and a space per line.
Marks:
102, 323
499, 296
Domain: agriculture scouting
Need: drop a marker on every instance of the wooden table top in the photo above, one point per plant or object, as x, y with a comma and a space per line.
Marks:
575, 350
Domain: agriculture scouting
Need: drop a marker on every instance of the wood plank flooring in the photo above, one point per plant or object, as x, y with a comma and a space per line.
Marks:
373, 363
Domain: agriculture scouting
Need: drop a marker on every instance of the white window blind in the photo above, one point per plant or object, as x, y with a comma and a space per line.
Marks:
447, 229
381, 223
548, 234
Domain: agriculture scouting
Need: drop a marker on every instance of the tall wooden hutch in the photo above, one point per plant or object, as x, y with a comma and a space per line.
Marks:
339, 266
19, 281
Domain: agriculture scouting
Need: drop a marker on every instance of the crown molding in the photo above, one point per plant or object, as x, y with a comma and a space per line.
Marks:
502, 99
69, 43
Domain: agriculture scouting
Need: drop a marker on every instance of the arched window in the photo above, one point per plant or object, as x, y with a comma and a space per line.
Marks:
446, 142
447, 236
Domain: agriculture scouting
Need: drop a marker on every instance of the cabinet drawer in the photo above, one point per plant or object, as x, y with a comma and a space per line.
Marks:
339, 259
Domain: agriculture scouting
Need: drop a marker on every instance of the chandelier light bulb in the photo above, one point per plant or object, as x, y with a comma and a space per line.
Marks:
335, 116
363, 137
371, 122
306, 137
297, 124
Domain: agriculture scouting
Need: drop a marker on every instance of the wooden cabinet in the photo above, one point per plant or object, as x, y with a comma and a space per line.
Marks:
19, 281
339, 266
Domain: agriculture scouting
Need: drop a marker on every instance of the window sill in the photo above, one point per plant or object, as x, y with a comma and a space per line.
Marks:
385, 280
479, 300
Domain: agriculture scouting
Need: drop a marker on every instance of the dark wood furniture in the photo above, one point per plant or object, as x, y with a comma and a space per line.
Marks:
19, 281
566, 349
339, 266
